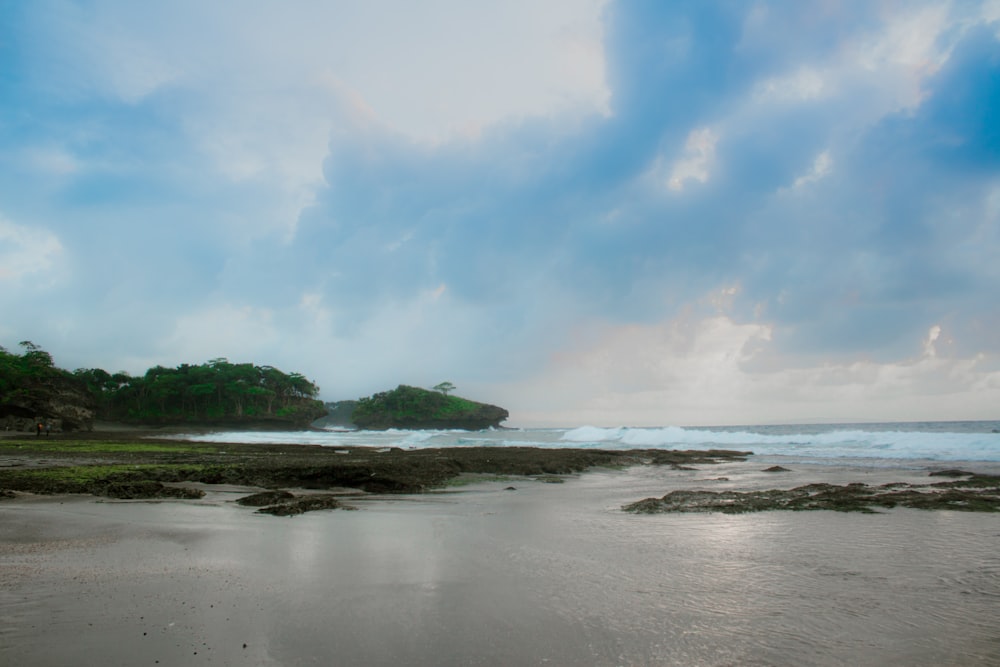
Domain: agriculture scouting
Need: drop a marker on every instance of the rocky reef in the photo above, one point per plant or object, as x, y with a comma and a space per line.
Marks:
971, 493
292, 478
416, 408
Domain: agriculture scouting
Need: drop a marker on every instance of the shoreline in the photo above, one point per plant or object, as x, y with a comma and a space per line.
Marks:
144, 464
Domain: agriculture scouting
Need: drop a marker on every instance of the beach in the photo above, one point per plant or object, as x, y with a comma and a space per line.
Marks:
511, 571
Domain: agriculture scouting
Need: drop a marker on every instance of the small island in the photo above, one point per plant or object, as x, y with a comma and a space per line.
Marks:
415, 408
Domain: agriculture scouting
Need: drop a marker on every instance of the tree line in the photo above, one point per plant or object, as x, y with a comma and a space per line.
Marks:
217, 389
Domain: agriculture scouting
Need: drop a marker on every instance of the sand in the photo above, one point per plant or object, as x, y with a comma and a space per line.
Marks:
544, 574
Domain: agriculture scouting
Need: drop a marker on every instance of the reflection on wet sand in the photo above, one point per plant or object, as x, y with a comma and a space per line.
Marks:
544, 574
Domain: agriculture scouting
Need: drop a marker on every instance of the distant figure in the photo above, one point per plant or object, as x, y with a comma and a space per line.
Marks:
38, 429
48, 428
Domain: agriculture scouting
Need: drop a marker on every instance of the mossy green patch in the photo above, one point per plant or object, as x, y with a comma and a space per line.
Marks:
96, 479
98, 447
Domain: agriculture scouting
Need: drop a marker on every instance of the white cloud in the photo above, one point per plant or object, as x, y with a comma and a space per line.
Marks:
932, 335
873, 73
908, 50
991, 12
694, 165
27, 253
260, 104
821, 167
804, 84
240, 333
694, 370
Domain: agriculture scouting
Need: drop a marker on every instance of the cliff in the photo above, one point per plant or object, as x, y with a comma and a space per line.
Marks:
415, 408
32, 391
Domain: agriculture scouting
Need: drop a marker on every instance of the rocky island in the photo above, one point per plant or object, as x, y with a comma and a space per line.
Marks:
415, 408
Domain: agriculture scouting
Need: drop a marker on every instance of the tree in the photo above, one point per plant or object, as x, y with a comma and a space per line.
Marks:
444, 387
35, 357
214, 390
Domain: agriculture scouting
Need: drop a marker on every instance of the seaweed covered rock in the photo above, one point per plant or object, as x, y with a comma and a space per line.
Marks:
416, 408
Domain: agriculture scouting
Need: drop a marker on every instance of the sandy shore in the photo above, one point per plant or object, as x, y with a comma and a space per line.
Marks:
541, 574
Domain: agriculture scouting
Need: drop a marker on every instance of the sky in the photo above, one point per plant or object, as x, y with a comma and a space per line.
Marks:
586, 211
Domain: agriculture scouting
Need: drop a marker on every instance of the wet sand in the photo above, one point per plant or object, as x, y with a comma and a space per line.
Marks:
546, 574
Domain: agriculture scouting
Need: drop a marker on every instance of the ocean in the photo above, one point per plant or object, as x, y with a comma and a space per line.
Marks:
890, 444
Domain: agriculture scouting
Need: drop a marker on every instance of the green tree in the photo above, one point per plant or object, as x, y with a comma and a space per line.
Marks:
444, 387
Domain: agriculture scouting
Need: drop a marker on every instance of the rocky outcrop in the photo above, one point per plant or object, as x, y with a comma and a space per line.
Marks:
56, 401
416, 408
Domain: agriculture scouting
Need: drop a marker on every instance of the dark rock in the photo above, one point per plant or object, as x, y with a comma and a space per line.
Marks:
300, 505
57, 400
265, 498
855, 497
776, 469
144, 489
951, 472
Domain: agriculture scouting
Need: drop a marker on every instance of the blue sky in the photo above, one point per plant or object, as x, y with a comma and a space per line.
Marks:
587, 211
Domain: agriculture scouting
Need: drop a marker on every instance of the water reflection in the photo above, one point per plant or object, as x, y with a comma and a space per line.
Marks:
552, 574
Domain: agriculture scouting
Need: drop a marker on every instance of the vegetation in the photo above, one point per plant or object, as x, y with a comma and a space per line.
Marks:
22, 376
216, 391
412, 407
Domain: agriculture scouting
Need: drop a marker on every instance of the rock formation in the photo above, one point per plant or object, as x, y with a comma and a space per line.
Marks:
58, 401
415, 408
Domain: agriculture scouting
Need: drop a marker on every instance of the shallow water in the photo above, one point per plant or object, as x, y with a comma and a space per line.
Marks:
547, 574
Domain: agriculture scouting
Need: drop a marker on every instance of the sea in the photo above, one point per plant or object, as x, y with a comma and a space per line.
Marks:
889, 444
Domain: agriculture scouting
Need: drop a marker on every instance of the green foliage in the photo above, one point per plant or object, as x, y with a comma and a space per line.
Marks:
444, 387
22, 376
412, 407
216, 390
403, 404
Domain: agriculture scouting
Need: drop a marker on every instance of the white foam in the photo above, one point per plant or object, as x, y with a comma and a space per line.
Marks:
852, 443
810, 443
